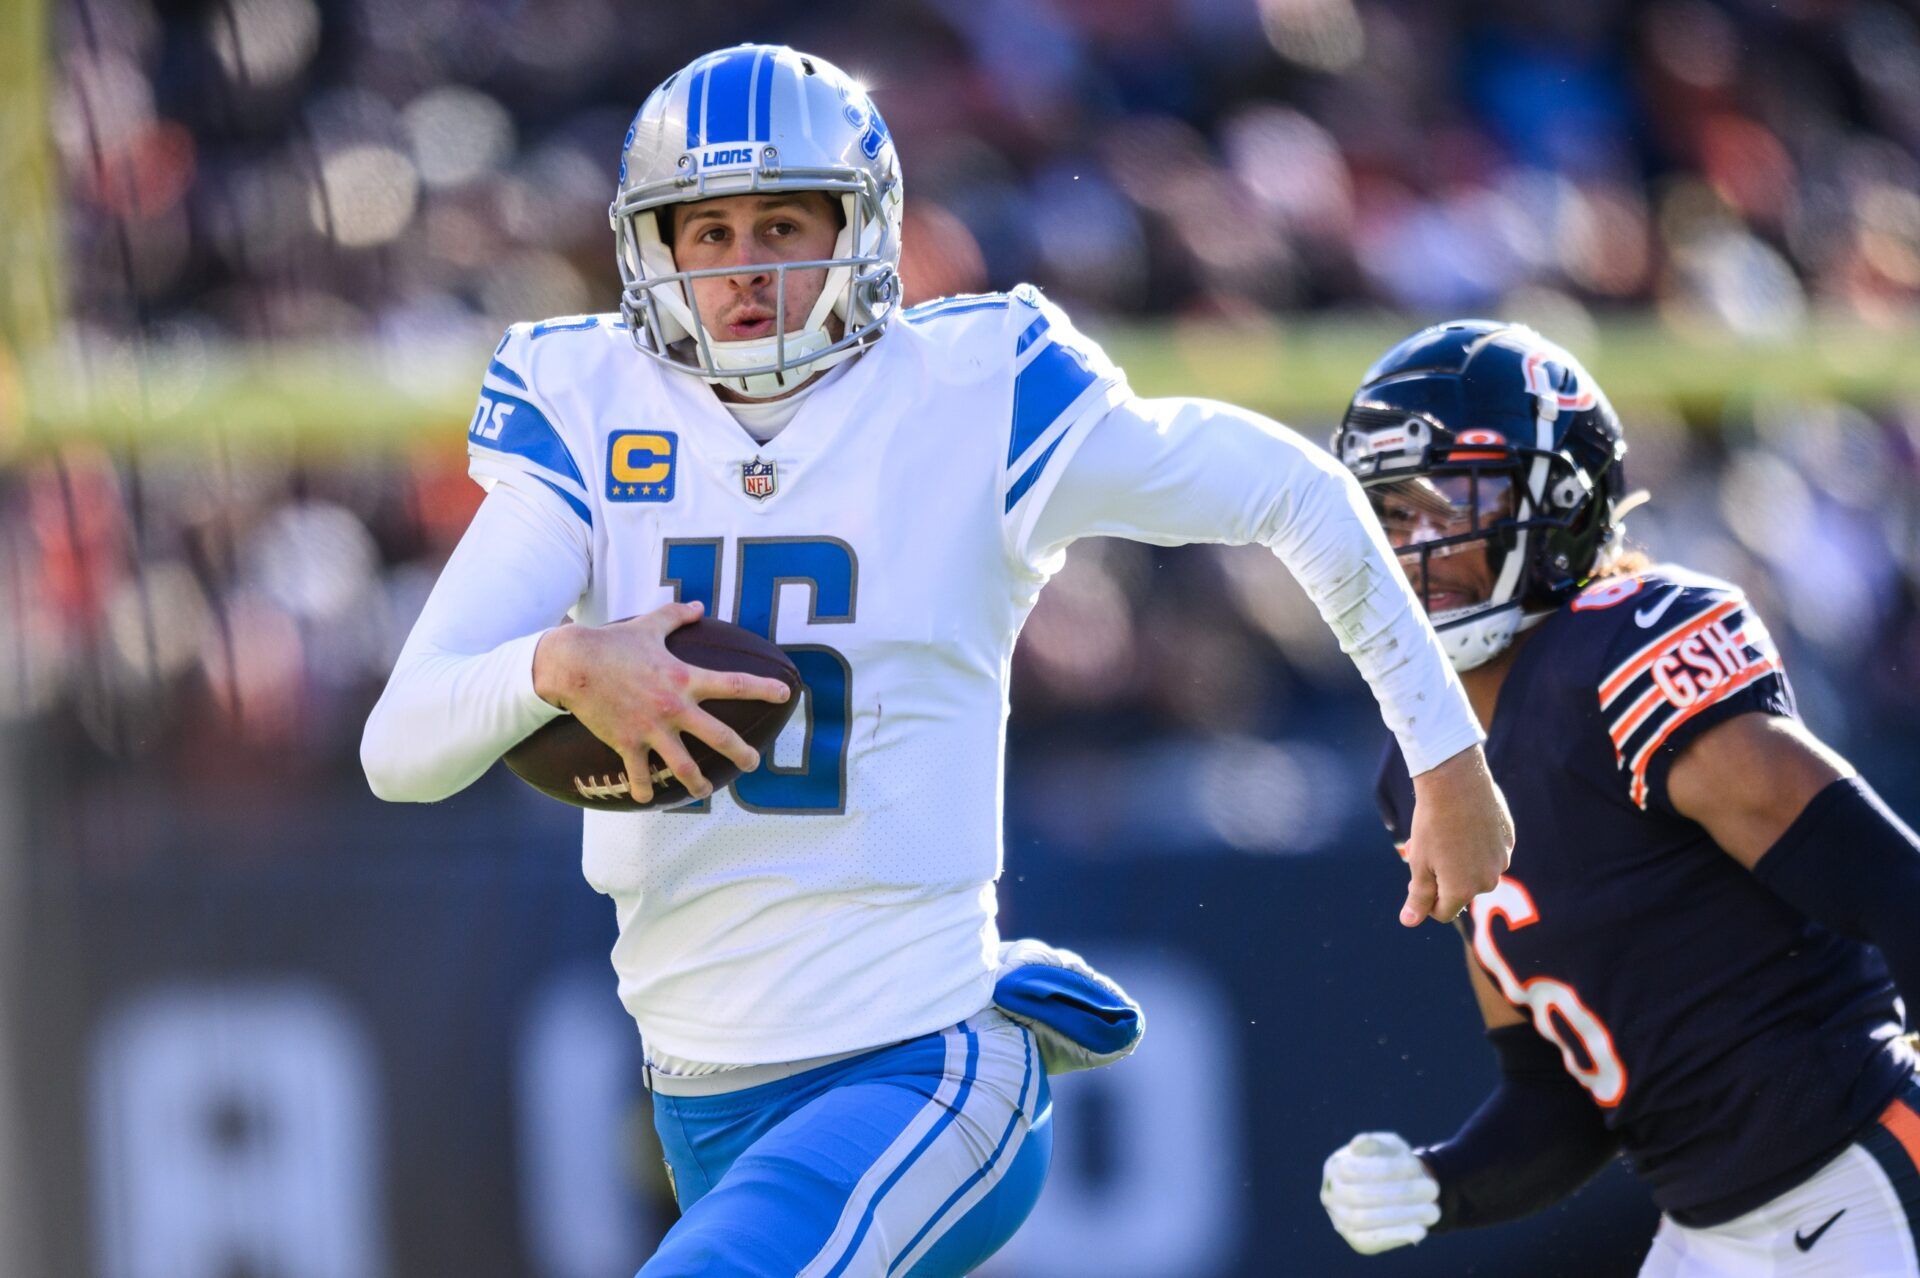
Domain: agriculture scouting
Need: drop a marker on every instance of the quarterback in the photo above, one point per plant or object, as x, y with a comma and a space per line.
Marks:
849, 1074
1696, 957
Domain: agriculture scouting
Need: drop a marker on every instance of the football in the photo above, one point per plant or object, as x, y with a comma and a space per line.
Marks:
565, 761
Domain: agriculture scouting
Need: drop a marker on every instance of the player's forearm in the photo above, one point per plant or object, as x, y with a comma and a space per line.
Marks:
1851, 863
1537, 1139
1181, 470
462, 691
446, 717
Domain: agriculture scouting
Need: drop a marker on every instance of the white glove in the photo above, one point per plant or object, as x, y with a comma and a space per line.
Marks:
1379, 1195
1079, 1018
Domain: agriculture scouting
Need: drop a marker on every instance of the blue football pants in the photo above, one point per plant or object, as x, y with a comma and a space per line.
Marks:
918, 1159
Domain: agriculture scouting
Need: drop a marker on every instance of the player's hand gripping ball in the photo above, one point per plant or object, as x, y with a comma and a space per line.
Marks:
564, 760
1378, 1193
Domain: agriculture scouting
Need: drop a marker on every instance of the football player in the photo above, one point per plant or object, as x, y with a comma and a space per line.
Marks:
1696, 955
848, 1077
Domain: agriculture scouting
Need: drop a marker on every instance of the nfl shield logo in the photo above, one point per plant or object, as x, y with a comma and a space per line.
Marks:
756, 479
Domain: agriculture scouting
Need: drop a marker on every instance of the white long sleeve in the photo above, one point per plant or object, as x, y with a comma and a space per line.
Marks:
1175, 471
461, 693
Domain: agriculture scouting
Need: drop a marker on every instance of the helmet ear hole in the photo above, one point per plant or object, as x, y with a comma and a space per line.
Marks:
1588, 520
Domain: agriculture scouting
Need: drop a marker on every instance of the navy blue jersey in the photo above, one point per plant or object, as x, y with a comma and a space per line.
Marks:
1734, 1044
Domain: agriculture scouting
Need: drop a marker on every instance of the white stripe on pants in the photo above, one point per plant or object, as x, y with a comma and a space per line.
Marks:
963, 1146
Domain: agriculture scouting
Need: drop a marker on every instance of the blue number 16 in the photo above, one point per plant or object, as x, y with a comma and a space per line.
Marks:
828, 567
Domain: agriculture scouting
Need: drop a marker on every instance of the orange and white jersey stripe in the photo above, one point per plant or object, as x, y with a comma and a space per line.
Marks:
1692, 648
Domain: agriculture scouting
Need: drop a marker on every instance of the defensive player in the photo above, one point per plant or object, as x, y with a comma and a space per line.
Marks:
762, 434
1695, 954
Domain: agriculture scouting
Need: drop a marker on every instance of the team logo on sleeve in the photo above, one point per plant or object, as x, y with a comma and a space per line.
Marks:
640, 465
757, 479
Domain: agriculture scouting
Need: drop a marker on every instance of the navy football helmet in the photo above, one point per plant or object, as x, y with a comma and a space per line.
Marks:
1481, 433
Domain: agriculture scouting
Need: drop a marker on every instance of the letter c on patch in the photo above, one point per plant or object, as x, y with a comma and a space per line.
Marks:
651, 467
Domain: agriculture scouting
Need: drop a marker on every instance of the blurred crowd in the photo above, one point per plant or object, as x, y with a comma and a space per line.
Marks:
284, 168
429, 170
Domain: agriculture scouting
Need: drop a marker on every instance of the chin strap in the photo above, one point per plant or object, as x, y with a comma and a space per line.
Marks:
1471, 644
1474, 641
761, 351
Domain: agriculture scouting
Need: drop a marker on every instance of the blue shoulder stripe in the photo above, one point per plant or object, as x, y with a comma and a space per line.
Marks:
1045, 388
579, 507
509, 424
1035, 331
1032, 474
505, 374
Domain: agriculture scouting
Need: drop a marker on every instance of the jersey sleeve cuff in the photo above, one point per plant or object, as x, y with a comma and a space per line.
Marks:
1427, 749
526, 704
1650, 788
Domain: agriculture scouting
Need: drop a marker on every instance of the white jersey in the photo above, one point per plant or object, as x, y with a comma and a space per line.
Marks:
892, 538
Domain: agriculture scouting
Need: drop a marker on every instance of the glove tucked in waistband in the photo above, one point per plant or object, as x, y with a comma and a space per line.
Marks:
1080, 1019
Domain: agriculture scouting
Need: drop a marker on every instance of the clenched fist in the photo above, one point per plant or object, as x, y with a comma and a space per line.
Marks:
1378, 1193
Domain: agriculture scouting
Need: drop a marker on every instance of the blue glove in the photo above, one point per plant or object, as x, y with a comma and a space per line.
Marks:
1079, 1018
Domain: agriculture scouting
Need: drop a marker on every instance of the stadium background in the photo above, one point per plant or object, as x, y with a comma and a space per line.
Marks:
254, 255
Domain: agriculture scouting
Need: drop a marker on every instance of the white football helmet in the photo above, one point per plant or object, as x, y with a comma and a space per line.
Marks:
758, 118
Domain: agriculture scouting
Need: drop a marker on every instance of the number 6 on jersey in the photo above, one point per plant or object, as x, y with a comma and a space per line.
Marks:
1552, 1003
